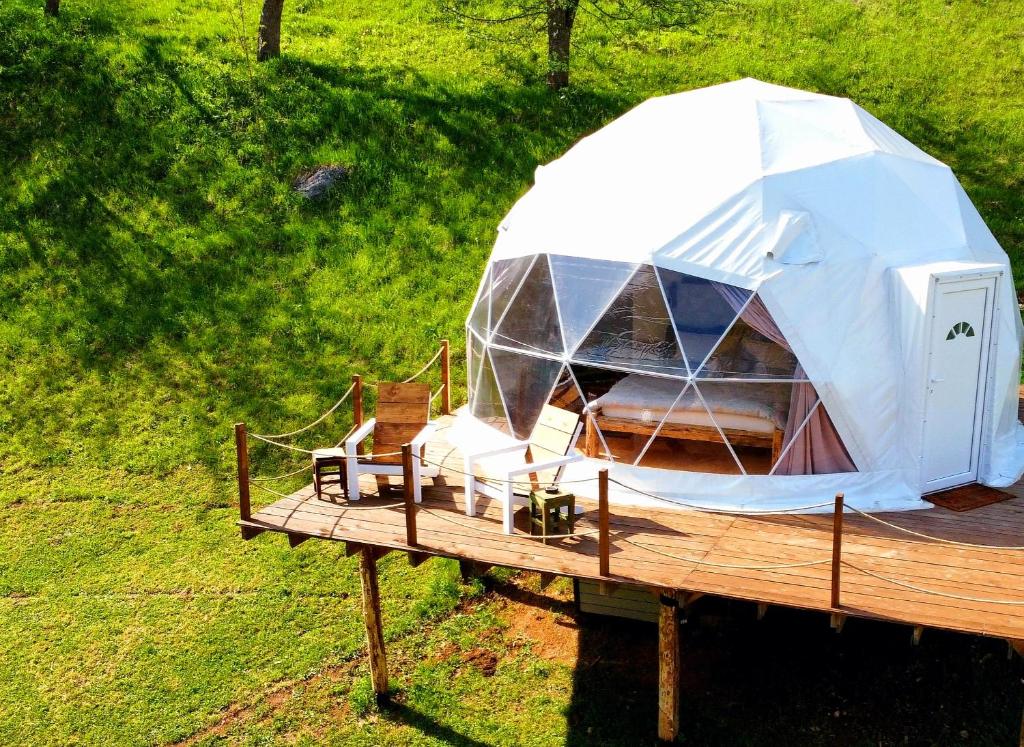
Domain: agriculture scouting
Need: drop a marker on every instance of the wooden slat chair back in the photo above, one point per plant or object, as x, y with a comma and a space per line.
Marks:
554, 434
402, 412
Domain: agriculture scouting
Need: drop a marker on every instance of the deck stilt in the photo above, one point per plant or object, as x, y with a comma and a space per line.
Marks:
915, 636
762, 610
668, 669
371, 617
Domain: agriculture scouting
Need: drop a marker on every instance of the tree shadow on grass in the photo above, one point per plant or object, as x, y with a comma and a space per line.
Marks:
790, 679
159, 229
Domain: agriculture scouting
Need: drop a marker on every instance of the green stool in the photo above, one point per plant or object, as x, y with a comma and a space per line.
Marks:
546, 512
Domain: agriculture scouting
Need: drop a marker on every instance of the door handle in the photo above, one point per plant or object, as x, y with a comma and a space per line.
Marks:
936, 379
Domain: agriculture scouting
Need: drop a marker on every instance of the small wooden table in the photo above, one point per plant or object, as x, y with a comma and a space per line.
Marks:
330, 462
546, 512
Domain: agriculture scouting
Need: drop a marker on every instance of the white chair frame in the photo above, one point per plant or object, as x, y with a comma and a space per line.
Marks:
356, 468
506, 493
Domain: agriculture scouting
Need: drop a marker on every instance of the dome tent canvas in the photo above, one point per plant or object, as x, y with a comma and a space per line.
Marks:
752, 271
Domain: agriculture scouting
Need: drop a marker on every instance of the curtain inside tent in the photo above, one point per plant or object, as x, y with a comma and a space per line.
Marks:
817, 449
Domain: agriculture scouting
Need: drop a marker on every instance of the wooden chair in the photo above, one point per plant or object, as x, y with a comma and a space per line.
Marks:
543, 457
403, 417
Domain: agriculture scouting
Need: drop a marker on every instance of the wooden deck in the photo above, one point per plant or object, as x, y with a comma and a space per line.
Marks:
677, 551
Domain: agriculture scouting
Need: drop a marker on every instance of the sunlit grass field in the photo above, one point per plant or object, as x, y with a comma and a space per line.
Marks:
159, 281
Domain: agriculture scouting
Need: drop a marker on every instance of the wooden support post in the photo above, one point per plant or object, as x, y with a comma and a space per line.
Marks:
762, 610
915, 635
546, 579
602, 512
446, 378
668, 669
837, 548
294, 540
410, 496
374, 628
357, 408
242, 457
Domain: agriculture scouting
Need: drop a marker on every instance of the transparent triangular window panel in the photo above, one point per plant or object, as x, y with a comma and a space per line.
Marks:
753, 348
687, 438
531, 320
635, 333
594, 383
479, 317
702, 311
584, 288
485, 398
506, 275
811, 445
526, 383
753, 418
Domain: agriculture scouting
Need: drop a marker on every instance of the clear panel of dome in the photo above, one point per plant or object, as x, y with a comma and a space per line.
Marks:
584, 288
702, 311
531, 320
593, 384
635, 333
812, 445
753, 349
754, 418
526, 383
479, 317
566, 395
631, 410
486, 403
506, 275
689, 438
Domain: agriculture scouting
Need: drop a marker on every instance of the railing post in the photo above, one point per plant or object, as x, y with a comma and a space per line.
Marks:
446, 378
410, 496
242, 458
602, 513
357, 407
837, 548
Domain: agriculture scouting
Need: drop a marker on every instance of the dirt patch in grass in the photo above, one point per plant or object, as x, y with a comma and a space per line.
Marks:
544, 619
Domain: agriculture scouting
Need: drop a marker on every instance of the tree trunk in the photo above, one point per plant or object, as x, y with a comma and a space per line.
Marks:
561, 14
52, 7
268, 43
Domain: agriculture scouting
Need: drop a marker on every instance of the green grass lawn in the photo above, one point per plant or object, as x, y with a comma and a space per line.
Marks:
159, 281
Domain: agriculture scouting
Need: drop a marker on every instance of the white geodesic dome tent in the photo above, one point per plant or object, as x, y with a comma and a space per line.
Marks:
753, 296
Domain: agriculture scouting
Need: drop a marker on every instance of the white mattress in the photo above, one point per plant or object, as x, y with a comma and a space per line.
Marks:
752, 407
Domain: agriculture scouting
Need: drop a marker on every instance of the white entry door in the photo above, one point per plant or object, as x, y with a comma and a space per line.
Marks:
957, 372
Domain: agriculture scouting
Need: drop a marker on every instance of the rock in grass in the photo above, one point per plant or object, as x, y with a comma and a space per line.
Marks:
315, 183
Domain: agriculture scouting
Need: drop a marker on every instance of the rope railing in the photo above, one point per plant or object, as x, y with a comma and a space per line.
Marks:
305, 428
582, 533
932, 537
933, 592
669, 501
426, 366
281, 477
713, 564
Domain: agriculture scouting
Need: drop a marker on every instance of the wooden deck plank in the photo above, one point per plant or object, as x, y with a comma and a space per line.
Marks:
676, 539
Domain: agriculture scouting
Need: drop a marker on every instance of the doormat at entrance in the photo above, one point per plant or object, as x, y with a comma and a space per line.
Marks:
968, 497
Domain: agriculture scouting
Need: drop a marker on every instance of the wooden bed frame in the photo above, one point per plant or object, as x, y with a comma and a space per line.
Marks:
736, 436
